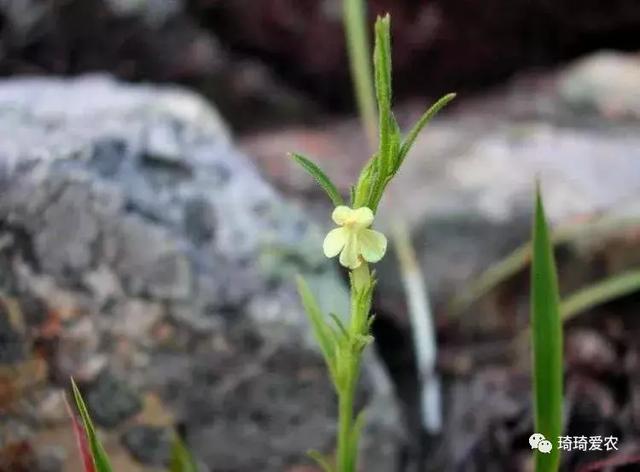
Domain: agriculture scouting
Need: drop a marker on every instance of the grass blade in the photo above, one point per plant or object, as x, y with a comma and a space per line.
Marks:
181, 459
547, 340
517, 260
321, 461
600, 292
354, 17
422, 122
100, 459
81, 440
320, 177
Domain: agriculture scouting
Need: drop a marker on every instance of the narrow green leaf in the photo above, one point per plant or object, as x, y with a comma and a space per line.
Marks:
321, 330
547, 340
320, 177
354, 437
181, 459
382, 75
601, 292
395, 143
518, 260
421, 123
362, 190
338, 322
100, 459
321, 460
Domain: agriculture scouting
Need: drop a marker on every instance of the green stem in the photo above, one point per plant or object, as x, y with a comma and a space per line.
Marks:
355, 25
347, 444
345, 406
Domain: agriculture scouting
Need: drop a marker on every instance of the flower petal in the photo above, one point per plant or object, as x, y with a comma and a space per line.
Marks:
334, 242
362, 217
349, 255
342, 214
372, 245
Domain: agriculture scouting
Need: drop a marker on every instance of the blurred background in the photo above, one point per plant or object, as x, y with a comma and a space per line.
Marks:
151, 226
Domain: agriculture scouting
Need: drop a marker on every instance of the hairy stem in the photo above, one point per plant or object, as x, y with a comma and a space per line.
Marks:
345, 406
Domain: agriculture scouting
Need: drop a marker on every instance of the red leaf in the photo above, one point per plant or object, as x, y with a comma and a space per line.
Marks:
81, 440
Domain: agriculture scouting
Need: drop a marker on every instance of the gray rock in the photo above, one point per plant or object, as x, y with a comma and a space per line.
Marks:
111, 401
13, 347
606, 82
118, 200
149, 445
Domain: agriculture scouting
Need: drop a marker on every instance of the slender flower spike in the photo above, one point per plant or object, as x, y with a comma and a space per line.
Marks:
353, 240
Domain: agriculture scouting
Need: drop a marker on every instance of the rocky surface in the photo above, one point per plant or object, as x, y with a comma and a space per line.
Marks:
141, 253
156, 40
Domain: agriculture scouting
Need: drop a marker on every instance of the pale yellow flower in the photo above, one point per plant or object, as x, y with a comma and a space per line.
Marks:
354, 241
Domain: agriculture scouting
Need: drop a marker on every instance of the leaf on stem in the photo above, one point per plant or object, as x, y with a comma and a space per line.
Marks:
354, 438
322, 332
382, 76
320, 177
547, 340
420, 124
339, 324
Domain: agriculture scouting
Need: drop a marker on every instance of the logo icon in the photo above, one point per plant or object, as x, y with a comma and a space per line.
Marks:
539, 442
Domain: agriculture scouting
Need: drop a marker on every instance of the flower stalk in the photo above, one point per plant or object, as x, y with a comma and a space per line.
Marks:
357, 245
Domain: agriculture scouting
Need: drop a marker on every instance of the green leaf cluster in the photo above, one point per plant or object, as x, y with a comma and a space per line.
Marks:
392, 146
340, 344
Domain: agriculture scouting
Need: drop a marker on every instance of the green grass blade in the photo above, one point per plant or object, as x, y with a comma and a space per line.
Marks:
354, 17
181, 459
321, 460
601, 292
100, 459
547, 341
320, 177
421, 123
518, 260
321, 331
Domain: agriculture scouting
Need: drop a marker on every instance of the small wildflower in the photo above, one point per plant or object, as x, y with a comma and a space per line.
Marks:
354, 241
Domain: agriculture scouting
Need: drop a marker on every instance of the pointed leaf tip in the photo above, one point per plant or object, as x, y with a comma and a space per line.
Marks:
547, 338
325, 182
421, 123
100, 459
